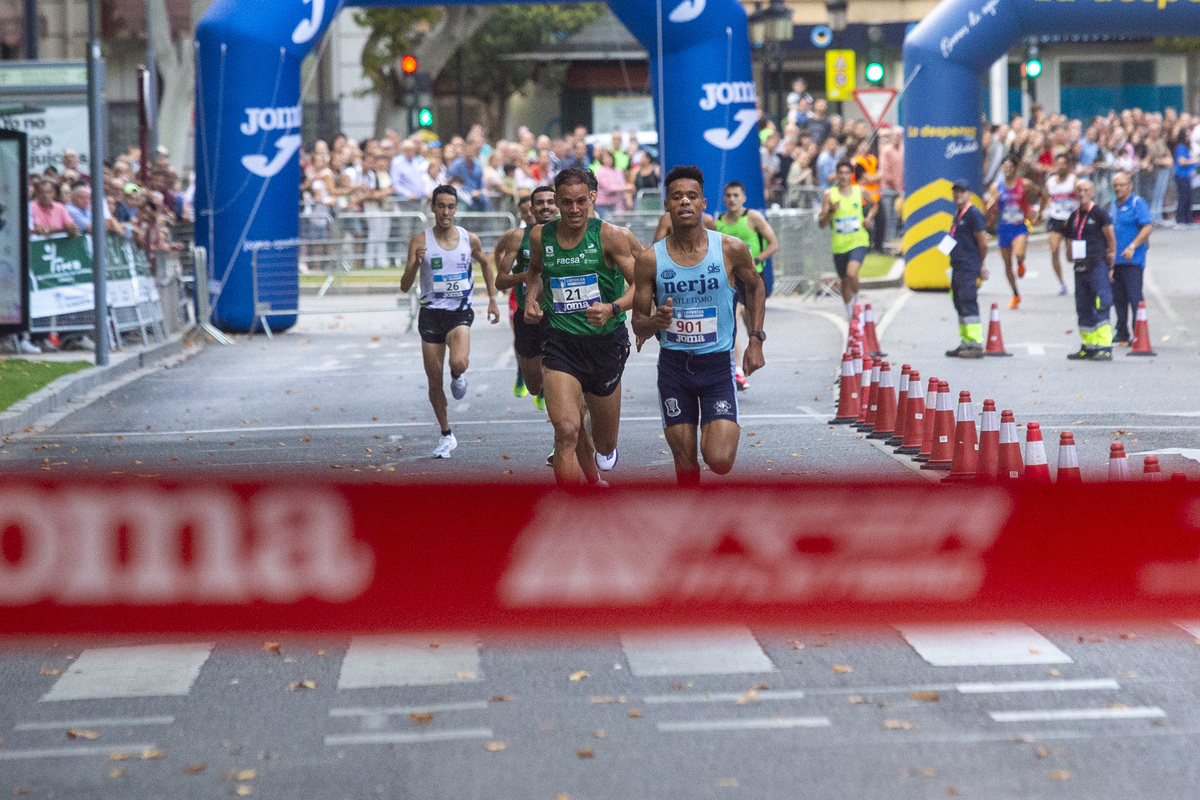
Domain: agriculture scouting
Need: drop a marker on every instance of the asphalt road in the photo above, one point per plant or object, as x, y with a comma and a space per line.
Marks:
1053, 711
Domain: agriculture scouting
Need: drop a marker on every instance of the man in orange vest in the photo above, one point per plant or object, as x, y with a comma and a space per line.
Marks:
866, 175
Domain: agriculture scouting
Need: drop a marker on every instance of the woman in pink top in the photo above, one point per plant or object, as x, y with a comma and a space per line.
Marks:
610, 191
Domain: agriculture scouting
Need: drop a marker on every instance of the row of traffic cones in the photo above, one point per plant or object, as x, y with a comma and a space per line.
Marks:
947, 438
995, 338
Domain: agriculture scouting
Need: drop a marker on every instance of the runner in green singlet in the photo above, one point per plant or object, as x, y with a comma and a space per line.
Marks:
752, 228
580, 276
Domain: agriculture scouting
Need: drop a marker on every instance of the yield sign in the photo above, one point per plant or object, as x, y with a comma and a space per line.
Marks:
874, 103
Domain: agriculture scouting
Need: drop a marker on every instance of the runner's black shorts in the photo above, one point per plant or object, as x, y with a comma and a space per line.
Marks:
841, 261
528, 339
696, 388
1058, 226
434, 323
595, 361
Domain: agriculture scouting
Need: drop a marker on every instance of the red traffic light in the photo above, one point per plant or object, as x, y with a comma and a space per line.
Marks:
408, 64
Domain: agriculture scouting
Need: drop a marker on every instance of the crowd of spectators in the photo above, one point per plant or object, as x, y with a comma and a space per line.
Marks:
401, 173
146, 214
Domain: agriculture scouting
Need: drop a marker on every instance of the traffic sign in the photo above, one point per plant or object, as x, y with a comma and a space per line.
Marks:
874, 103
839, 74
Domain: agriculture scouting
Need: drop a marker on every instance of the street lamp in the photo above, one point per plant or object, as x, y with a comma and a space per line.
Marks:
770, 29
836, 9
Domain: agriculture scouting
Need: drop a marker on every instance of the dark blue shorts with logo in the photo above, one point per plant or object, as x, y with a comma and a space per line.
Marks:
696, 388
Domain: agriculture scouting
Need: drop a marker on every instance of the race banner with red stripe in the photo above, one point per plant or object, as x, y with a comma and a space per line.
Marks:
146, 556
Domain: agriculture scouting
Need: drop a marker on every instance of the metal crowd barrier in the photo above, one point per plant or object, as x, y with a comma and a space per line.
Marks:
803, 264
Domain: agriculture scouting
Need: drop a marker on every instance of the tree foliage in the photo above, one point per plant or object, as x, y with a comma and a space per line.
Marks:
518, 29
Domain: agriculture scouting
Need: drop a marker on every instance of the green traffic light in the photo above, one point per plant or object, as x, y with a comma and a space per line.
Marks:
425, 117
874, 72
1033, 68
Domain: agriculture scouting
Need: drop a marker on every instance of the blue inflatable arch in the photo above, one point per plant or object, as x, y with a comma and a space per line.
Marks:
946, 55
248, 112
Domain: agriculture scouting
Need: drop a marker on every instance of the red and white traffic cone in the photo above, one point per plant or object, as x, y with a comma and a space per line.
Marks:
1118, 463
54, 339
868, 423
885, 417
1011, 467
1150, 470
931, 399
995, 340
966, 441
864, 391
1141, 333
1178, 477
1068, 459
1037, 470
856, 351
848, 404
868, 322
914, 426
901, 408
989, 443
941, 456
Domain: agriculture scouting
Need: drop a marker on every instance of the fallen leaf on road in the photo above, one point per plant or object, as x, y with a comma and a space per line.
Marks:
52, 672
899, 725
80, 733
304, 438
857, 698
1117, 707
929, 773
194, 769
421, 717
500, 698
635, 714
797, 645
674, 687
748, 697
116, 773
928, 697
598, 734
1060, 775
1043, 752
147, 755
297, 685
272, 647
20, 790
1054, 673
465, 676
842, 668
586, 752
243, 790
494, 747
1128, 635
118, 756
950, 790
763, 687
578, 676
1129, 674
728, 783
601, 698
1035, 651
239, 775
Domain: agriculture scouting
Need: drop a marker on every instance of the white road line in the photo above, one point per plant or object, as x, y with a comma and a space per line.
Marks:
375, 661
1083, 685
715, 652
462, 406
408, 738
72, 752
373, 426
766, 723
981, 645
1192, 626
505, 360
142, 671
108, 722
839, 321
764, 696
1062, 714
893, 310
434, 708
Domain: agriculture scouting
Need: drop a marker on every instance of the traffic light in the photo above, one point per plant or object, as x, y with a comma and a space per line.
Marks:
408, 64
1033, 61
874, 72
425, 117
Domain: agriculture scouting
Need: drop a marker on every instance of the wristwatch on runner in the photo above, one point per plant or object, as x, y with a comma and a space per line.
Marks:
760, 335
616, 310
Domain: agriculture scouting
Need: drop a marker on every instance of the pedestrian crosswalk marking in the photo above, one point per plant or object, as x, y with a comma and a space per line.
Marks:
764, 696
765, 723
715, 652
394, 737
72, 752
375, 661
109, 722
141, 671
1078, 714
997, 644
1082, 685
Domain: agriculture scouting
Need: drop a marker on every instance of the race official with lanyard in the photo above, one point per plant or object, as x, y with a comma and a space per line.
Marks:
966, 244
1092, 247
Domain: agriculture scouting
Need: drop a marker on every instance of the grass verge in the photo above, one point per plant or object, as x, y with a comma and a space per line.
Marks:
20, 377
876, 265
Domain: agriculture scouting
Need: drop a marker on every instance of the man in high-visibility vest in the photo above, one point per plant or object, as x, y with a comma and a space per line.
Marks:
866, 175
843, 206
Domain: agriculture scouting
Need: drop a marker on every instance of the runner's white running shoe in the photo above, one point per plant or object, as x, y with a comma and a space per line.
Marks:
458, 387
445, 445
606, 463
